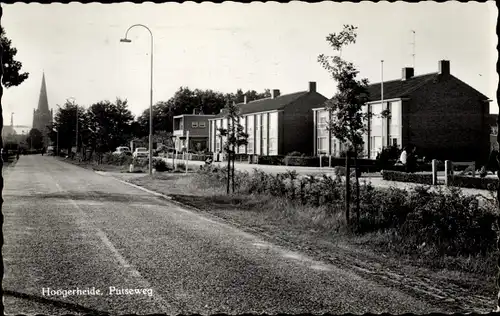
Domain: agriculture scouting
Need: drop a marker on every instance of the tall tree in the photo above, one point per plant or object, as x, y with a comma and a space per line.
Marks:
9, 76
348, 120
35, 139
63, 131
235, 137
110, 125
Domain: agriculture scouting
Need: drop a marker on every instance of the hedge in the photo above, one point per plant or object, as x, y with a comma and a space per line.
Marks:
301, 161
271, 160
390, 175
473, 182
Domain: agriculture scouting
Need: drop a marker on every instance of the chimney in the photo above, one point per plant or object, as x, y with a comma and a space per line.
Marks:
408, 72
275, 93
245, 99
444, 67
312, 86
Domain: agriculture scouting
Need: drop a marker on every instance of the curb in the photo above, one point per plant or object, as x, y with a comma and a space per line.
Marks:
161, 195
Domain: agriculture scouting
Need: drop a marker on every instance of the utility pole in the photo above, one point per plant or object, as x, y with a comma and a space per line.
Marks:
413, 53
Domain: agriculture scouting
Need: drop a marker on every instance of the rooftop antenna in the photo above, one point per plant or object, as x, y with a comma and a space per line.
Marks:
413, 52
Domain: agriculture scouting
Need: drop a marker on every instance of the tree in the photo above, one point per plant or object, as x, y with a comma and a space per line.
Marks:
235, 136
109, 125
35, 139
63, 131
185, 101
348, 121
10, 76
251, 95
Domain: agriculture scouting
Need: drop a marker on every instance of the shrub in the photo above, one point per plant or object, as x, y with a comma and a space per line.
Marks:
447, 222
301, 161
295, 154
119, 160
160, 165
407, 177
473, 182
271, 160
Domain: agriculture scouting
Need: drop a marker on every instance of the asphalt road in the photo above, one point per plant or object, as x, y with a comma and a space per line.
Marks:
67, 227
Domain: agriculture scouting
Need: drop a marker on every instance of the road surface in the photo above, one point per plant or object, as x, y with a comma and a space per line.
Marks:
70, 233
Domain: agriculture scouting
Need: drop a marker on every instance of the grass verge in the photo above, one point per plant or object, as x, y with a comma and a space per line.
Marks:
320, 230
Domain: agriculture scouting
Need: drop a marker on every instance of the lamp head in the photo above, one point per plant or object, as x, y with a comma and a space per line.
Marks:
125, 40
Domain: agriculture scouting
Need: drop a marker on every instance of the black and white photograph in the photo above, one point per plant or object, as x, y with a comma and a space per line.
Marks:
261, 157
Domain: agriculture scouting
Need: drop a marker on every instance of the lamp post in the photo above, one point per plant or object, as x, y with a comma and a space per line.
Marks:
76, 107
126, 40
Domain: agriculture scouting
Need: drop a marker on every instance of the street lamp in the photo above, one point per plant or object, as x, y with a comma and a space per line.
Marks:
76, 105
126, 40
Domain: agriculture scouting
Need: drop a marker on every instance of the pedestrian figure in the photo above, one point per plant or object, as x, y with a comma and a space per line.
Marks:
411, 161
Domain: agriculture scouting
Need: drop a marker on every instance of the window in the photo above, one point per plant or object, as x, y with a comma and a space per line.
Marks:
322, 123
322, 145
194, 124
202, 124
273, 133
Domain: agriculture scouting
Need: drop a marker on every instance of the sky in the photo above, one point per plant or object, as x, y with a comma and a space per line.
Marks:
232, 46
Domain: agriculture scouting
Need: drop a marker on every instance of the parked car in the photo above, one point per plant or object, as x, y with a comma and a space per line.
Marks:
122, 150
141, 152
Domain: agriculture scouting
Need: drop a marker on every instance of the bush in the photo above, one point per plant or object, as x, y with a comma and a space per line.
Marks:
449, 223
118, 160
160, 165
301, 161
295, 154
271, 160
407, 177
473, 182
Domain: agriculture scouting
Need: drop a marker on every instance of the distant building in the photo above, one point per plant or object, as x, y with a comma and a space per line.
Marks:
8, 133
197, 126
441, 115
42, 116
277, 125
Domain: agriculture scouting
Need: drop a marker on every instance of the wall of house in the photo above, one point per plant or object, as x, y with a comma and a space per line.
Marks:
448, 120
298, 124
196, 125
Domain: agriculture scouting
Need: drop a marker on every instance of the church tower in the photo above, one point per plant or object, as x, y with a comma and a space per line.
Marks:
42, 116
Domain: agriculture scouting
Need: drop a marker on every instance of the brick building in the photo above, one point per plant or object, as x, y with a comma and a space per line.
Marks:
277, 125
438, 113
197, 126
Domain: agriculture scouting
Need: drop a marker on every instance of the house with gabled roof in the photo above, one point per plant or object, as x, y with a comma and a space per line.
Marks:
277, 125
442, 116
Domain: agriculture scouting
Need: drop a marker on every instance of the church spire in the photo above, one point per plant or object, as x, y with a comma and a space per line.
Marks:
43, 103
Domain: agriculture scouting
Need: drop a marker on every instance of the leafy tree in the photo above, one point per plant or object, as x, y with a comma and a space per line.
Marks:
10, 76
185, 101
251, 95
35, 139
63, 131
109, 125
348, 121
234, 136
